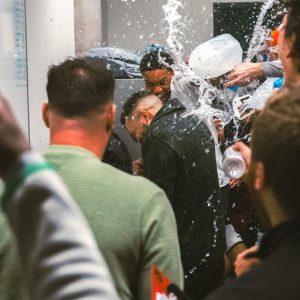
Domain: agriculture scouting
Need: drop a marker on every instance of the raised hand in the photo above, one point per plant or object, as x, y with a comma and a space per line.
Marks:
12, 140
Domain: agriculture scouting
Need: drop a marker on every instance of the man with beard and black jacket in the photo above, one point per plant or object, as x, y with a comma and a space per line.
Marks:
178, 155
273, 181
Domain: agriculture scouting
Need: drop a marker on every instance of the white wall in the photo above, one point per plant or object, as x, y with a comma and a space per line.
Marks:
50, 39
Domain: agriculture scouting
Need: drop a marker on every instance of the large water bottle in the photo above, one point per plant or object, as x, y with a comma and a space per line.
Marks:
234, 165
216, 57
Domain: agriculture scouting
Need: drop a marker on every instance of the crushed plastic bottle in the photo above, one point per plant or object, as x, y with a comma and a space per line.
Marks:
234, 165
247, 104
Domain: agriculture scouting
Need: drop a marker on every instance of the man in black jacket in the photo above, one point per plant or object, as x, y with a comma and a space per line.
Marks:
273, 180
117, 155
178, 155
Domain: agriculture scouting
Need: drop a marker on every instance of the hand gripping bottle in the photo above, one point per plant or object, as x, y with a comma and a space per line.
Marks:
234, 165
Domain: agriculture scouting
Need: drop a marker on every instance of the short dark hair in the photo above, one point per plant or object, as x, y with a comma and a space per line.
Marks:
76, 87
276, 143
130, 104
293, 29
156, 61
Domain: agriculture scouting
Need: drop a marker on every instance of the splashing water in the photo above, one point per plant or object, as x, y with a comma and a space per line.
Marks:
205, 93
202, 92
199, 96
174, 19
258, 28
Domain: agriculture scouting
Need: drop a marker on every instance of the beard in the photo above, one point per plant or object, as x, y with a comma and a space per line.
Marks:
256, 196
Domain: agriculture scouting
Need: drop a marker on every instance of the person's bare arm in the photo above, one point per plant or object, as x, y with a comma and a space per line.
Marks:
244, 264
12, 141
245, 73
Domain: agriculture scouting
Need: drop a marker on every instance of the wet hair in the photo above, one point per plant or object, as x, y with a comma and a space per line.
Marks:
76, 87
276, 143
130, 105
156, 61
293, 29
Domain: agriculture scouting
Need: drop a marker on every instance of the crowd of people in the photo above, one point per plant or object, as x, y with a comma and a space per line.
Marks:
76, 223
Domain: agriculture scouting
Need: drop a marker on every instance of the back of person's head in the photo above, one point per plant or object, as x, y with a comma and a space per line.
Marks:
138, 113
276, 143
78, 87
130, 105
293, 29
156, 61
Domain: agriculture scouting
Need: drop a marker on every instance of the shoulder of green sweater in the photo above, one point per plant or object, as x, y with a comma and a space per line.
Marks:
6, 235
4, 228
138, 186
66, 149
142, 188
158, 205
1, 187
140, 183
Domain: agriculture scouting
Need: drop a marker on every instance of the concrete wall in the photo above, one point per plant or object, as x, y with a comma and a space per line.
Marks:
87, 25
135, 23
50, 40
12, 54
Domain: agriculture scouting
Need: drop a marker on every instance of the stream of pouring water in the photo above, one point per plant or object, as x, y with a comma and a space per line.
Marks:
175, 22
206, 92
175, 30
257, 36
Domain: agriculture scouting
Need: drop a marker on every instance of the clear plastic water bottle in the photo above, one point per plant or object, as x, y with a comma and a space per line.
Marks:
234, 165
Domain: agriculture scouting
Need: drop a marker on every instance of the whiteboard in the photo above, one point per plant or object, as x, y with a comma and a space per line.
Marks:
13, 58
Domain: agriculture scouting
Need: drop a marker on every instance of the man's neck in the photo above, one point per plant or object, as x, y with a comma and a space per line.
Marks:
274, 213
292, 76
92, 140
293, 80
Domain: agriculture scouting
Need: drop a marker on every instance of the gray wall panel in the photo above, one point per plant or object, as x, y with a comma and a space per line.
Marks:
124, 88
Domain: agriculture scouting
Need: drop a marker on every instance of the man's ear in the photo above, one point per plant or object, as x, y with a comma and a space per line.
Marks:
260, 176
111, 116
147, 116
45, 114
113, 112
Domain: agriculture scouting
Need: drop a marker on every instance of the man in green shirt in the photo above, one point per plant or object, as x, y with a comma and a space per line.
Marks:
131, 218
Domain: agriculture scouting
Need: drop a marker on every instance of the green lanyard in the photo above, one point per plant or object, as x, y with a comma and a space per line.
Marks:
13, 183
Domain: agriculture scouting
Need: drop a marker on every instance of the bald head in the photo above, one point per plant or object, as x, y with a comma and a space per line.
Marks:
148, 103
138, 112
